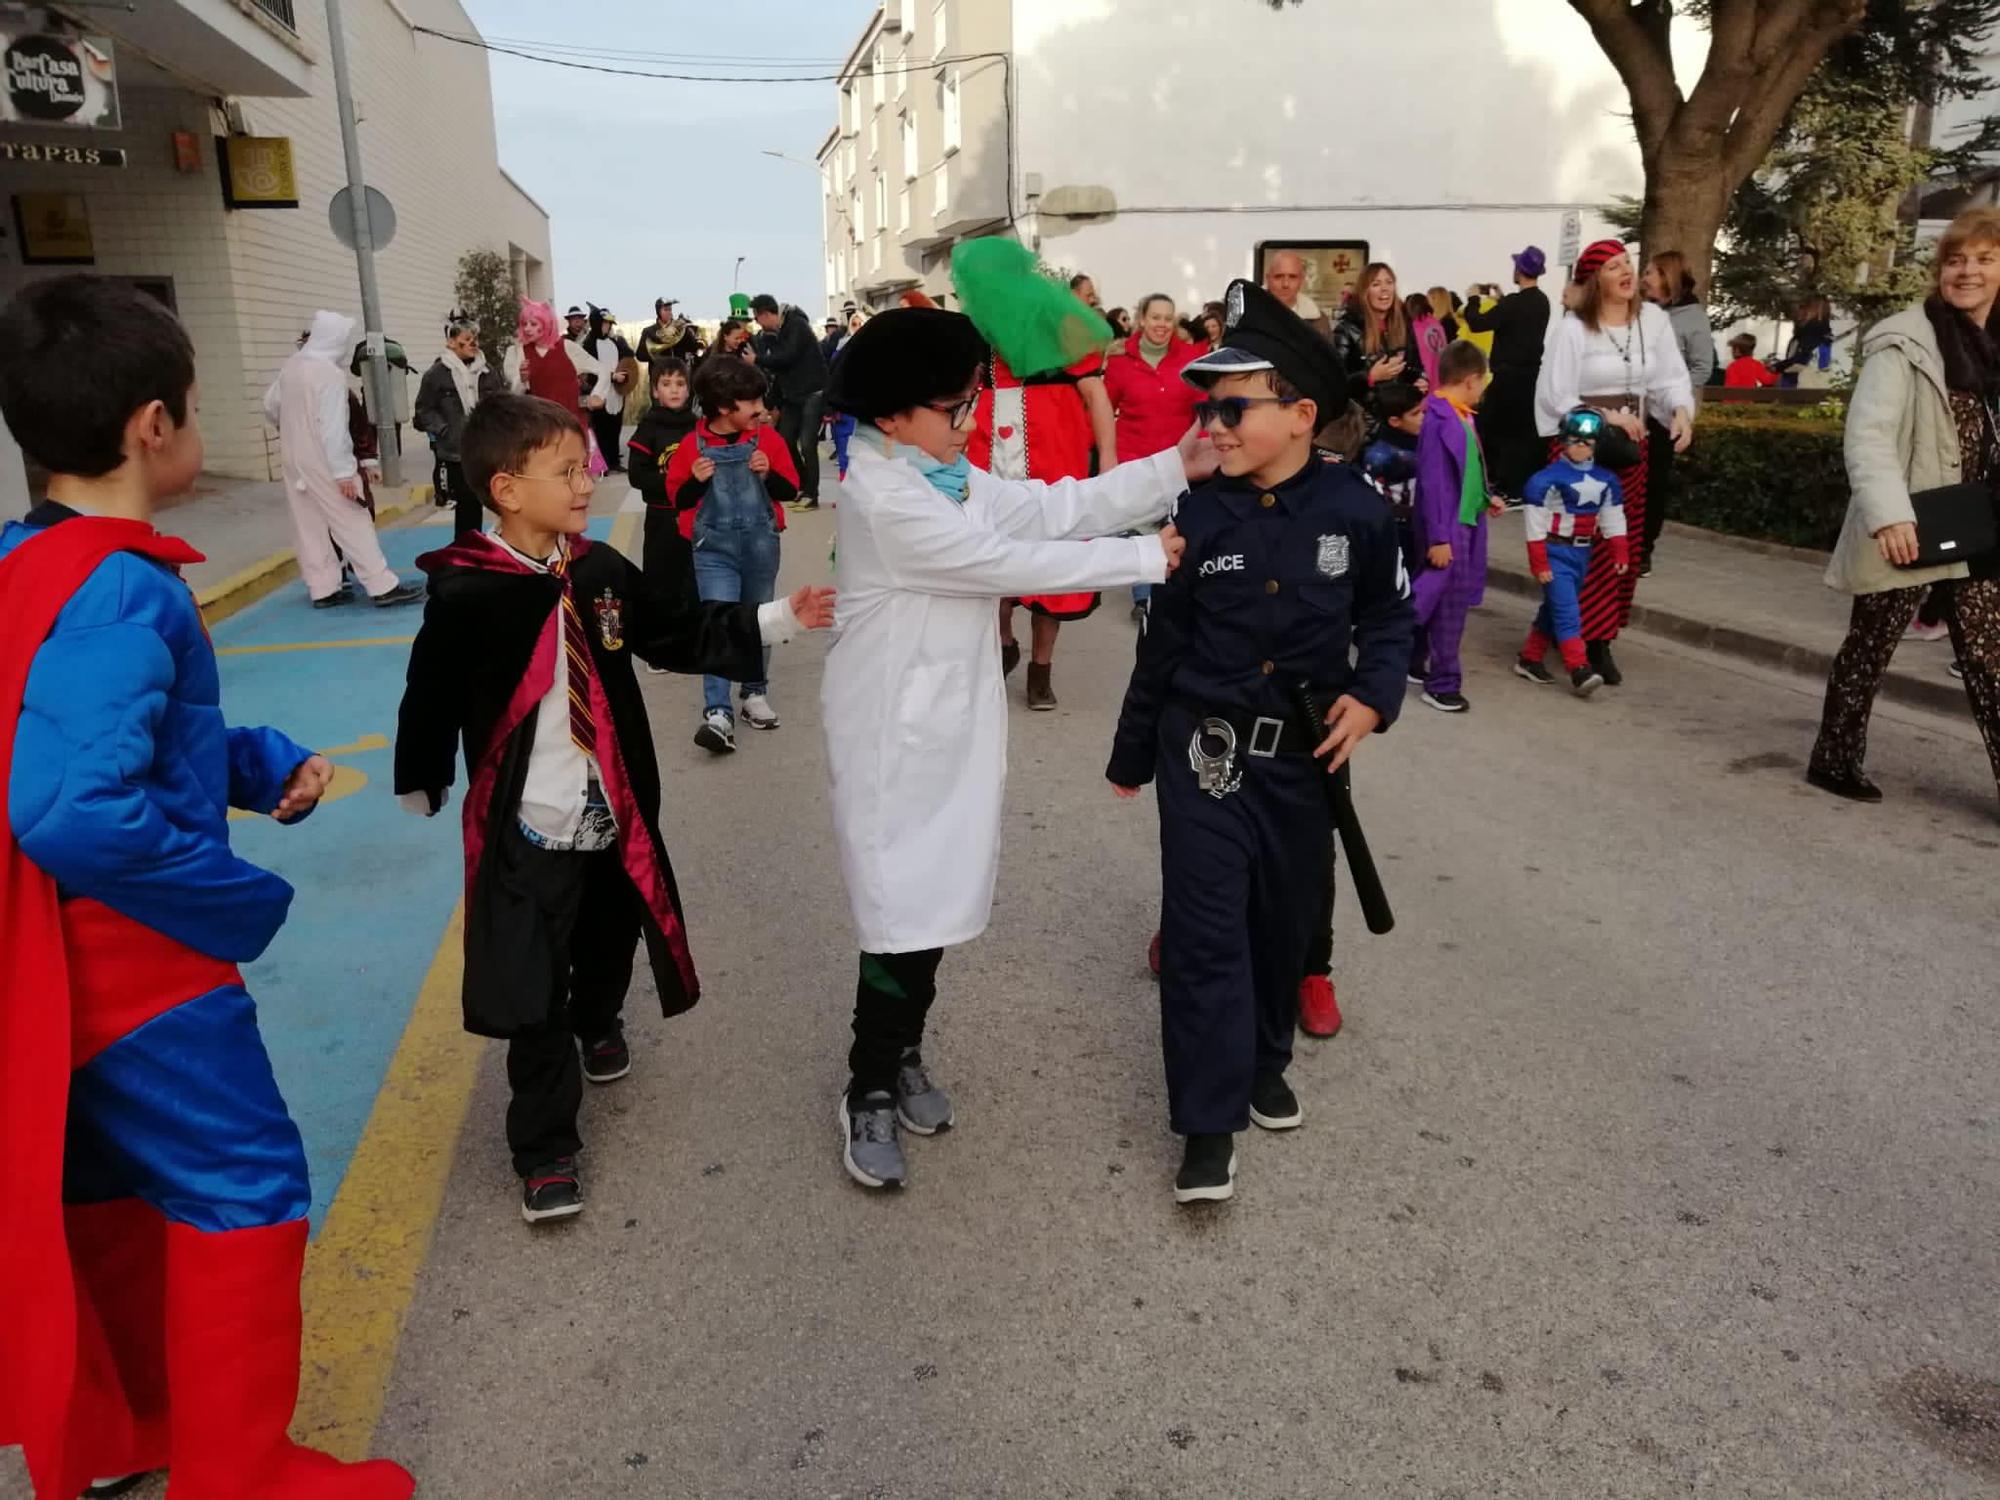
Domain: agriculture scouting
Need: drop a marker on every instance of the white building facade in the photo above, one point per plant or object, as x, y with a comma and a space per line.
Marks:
1158, 147
245, 280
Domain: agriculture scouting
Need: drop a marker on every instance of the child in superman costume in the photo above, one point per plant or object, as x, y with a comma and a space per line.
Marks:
155, 1186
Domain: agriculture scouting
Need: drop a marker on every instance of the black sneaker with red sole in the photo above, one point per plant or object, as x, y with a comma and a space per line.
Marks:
607, 1059
552, 1192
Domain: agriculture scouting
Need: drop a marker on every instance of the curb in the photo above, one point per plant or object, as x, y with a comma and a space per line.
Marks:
266, 576
1918, 692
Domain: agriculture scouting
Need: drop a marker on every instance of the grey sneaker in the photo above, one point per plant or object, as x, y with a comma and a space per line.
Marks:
920, 1104
871, 1147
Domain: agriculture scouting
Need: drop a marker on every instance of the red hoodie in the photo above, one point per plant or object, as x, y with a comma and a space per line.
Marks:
1154, 406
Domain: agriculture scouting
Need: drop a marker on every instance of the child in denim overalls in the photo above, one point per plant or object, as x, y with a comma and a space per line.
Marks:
729, 484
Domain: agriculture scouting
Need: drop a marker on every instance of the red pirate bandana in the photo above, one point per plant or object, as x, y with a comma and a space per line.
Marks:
1593, 259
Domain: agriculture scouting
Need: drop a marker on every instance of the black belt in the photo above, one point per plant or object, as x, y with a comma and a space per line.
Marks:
1260, 735
1569, 541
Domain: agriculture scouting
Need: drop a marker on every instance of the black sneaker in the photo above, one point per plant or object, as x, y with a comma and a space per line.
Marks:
1584, 681
402, 593
1600, 658
340, 596
552, 1192
124, 1484
1853, 785
1273, 1105
1533, 671
1447, 703
1956, 668
607, 1059
1208, 1170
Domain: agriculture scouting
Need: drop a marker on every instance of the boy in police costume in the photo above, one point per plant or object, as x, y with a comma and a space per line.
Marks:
1292, 591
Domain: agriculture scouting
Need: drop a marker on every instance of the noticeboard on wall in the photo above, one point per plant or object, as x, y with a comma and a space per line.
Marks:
1332, 267
257, 171
54, 229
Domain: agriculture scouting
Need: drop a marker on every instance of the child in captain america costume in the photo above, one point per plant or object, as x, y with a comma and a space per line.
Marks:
155, 1185
1567, 506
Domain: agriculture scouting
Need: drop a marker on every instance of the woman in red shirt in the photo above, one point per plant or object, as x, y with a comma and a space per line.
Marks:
1152, 404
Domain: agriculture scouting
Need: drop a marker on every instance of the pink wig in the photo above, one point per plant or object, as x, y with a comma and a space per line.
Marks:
538, 323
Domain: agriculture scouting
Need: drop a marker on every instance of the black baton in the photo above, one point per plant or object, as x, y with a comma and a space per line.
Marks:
1375, 909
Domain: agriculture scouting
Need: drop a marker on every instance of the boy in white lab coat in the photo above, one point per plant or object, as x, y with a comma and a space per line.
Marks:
915, 713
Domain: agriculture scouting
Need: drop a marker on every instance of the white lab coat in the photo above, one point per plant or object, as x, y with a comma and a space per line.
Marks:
912, 698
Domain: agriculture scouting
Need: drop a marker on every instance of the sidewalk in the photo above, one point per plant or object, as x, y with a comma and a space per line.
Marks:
1749, 599
244, 529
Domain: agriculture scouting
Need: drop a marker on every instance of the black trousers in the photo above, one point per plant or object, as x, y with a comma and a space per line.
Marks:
798, 425
1319, 944
609, 428
589, 907
892, 997
1243, 880
467, 514
1660, 458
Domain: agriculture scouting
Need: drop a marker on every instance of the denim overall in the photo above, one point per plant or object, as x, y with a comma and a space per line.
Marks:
735, 546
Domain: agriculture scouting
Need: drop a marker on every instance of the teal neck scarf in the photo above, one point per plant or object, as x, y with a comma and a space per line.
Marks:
949, 480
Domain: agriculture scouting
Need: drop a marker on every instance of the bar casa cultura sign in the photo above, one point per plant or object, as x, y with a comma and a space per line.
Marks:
49, 77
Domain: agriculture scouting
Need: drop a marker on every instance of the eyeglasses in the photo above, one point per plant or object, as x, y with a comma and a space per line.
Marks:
1229, 410
576, 476
958, 411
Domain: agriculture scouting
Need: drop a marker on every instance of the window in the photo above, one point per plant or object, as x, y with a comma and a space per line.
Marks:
903, 72
909, 147
875, 72
847, 161
875, 134
847, 126
940, 41
854, 214
279, 11
881, 202
876, 258
940, 191
948, 107
903, 210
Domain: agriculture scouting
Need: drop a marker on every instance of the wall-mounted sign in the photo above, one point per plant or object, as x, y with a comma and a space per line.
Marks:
1332, 267
49, 78
257, 171
187, 151
62, 156
54, 229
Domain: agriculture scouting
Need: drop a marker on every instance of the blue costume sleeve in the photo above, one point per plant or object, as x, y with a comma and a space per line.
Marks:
1535, 491
259, 762
87, 763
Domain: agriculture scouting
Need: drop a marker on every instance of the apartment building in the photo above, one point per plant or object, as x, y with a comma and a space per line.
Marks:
209, 184
1159, 147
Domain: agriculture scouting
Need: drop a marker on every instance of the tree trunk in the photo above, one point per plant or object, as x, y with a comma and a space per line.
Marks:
1685, 204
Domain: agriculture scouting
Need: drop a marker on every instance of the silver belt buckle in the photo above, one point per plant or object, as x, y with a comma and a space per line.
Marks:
1261, 745
1215, 773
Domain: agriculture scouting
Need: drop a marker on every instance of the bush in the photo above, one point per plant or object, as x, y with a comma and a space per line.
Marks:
486, 295
1773, 473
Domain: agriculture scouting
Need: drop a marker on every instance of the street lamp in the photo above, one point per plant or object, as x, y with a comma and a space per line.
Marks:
736, 281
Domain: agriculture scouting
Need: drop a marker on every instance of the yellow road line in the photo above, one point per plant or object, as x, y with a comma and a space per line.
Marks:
376, 640
366, 742
361, 1272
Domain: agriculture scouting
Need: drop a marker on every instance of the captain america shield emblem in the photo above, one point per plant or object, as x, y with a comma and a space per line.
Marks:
1332, 560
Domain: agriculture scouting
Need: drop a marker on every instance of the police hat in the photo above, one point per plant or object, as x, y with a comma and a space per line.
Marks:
1260, 333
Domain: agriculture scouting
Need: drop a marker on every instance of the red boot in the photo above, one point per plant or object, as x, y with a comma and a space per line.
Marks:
233, 1370
1319, 1012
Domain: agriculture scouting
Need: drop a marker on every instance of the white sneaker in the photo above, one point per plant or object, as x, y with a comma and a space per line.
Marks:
758, 713
717, 734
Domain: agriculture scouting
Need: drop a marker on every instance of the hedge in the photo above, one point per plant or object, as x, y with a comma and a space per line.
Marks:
1769, 472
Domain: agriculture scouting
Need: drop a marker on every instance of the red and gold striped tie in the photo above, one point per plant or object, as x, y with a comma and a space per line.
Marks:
576, 652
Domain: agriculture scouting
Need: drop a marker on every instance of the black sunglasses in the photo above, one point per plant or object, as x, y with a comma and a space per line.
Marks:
1228, 410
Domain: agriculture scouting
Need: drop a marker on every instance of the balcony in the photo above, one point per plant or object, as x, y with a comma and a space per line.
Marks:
249, 48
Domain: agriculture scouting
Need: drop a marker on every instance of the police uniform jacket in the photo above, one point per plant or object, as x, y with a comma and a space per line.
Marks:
1301, 582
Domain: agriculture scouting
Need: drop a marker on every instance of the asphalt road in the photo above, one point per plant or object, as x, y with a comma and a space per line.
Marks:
1659, 1147
1657, 1156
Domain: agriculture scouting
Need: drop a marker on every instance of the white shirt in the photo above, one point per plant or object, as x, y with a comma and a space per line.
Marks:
1642, 358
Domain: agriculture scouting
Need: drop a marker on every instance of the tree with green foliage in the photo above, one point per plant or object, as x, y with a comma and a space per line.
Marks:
485, 293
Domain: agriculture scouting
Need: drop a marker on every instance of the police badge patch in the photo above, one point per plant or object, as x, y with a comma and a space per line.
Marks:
1332, 559
611, 621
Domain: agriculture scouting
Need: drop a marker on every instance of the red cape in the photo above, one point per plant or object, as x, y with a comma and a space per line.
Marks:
69, 1394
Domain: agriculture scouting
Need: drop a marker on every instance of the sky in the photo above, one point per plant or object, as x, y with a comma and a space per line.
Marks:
654, 188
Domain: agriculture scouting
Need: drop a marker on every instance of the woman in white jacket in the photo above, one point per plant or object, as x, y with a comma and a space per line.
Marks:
916, 716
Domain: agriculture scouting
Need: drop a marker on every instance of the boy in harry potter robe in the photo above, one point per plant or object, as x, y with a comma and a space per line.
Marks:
525, 657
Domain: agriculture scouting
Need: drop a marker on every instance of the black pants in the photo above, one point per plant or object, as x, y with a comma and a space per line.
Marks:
467, 514
1319, 945
665, 555
1660, 457
798, 425
588, 906
1243, 878
891, 999
609, 429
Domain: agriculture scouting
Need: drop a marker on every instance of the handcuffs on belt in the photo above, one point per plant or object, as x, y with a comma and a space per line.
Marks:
1217, 773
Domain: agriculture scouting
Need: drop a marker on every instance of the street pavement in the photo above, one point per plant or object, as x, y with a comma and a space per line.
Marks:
1656, 1158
